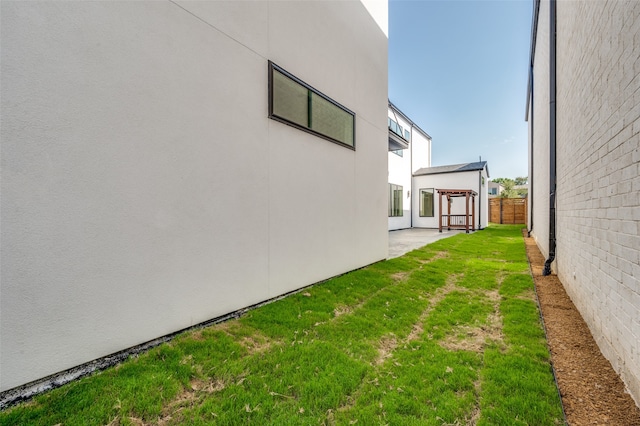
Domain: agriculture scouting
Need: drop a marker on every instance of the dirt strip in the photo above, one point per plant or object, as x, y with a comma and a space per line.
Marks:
592, 393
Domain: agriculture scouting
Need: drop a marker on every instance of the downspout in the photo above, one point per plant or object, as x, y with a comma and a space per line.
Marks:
531, 108
412, 193
552, 142
531, 156
480, 198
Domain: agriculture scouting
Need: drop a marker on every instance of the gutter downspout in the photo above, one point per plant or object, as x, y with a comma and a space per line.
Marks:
480, 198
530, 116
531, 156
411, 162
552, 142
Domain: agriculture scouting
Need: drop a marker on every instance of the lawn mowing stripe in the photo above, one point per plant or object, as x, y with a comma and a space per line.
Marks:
276, 366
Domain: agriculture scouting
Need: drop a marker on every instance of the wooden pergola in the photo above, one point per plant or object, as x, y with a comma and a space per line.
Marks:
457, 221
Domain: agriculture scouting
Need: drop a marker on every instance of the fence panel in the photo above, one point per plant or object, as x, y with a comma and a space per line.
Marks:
508, 210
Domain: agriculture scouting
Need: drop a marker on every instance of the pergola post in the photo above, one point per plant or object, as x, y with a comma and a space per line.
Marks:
448, 213
466, 219
473, 214
469, 217
440, 212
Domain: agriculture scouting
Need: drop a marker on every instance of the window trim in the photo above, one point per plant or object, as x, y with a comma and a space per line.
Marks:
394, 210
433, 201
272, 66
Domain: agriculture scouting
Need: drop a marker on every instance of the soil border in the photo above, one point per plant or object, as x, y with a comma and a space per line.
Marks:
592, 393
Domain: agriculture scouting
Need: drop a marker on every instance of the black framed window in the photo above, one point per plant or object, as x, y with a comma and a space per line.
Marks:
395, 200
294, 102
426, 202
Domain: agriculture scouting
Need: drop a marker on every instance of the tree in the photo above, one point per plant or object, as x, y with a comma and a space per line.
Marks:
501, 181
509, 184
508, 191
522, 180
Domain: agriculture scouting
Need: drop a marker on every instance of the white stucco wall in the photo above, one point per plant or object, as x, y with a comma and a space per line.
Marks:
420, 151
379, 10
401, 169
598, 169
400, 174
145, 190
459, 180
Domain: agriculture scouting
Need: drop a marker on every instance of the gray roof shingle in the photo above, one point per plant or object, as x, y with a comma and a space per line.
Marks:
452, 168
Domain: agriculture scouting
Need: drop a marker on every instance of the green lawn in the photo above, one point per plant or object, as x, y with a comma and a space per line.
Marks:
446, 335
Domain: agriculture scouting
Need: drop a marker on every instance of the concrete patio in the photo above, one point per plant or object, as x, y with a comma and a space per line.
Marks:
404, 240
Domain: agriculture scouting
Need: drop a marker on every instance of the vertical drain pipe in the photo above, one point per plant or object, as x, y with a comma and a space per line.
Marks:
531, 154
552, 141
531, 108
480, 197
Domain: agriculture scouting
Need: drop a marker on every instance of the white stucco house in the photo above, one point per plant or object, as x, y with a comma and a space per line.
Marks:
466, 176
413, 183
409, 150
167, 163
495, 189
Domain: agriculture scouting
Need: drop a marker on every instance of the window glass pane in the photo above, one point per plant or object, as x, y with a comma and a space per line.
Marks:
395, 127
407, 136
395, 200
391, 200
290, 99
328, 119
301, 106
426, 202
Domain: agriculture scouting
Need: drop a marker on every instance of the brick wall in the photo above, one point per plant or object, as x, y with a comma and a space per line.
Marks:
598, 154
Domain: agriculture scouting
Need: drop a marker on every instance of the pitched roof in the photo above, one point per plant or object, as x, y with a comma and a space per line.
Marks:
453, 168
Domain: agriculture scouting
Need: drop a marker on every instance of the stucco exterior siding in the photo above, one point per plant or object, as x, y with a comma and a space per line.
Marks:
145, 189
401, 168
460, 180
399, 175
598, 169
420, 151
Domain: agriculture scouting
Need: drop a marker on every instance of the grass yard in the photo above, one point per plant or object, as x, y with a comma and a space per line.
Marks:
446, 335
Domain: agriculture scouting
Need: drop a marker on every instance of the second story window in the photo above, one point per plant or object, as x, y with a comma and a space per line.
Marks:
297, 104
398, 129
395, 127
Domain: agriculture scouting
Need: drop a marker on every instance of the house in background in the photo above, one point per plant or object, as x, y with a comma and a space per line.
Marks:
467, 176
413, 183
167, 163
409, 151
495, 189
583, 110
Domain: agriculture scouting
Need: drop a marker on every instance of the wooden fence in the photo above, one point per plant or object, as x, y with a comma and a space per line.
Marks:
508, 210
